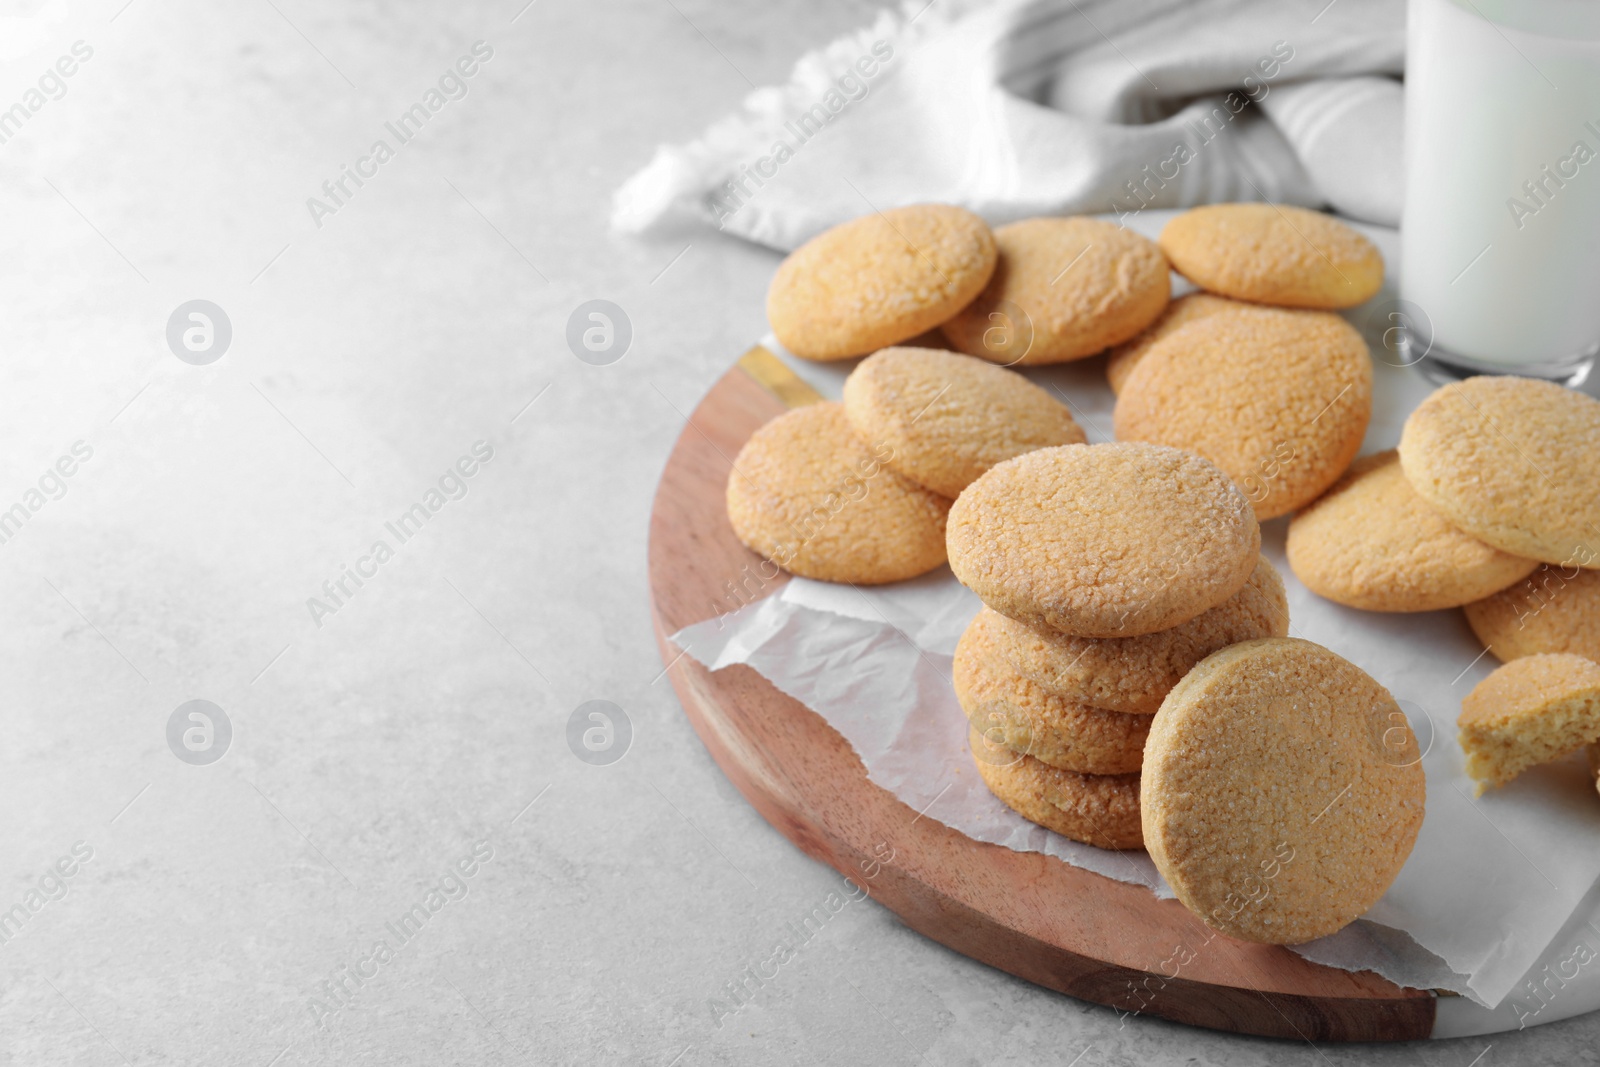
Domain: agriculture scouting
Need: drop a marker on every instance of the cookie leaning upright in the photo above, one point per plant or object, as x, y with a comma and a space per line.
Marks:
1079, 284
879, 280
947, 418
1371, 542
1512, 462
811, 496
1278, 399
1274, 254
1281, 791
1110, 540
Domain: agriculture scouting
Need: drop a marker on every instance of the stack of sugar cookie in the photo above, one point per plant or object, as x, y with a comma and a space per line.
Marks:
1107, 571
1256, 372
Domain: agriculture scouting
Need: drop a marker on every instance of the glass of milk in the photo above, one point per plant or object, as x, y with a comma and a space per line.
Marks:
1500, 234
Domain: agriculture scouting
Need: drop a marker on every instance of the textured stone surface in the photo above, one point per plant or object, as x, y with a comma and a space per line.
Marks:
409, 725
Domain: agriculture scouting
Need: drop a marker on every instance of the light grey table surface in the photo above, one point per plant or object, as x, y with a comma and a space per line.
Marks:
376, 745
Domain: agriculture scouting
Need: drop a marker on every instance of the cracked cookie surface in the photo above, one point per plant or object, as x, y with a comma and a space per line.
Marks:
879, 280
1110, 540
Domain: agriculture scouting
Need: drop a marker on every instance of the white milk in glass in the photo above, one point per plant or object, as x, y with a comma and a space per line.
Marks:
1500, 236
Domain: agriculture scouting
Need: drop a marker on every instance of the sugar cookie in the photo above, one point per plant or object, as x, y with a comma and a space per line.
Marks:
948, 417
1011, 710
1097, 809
879, 280
1064, 288
1134, 674
1278, 399
1111, 540
1371, 542
1512, 462
1274, 254
809, 495
1554, 609
1191, 307
1275, 800
1530, 711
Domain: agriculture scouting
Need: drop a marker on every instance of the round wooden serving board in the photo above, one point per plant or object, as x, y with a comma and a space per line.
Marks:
1032, 915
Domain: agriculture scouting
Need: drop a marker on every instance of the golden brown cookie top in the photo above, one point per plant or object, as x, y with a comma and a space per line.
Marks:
1554, 609
1015, 712
1274, 254
1134, 674
1110, 540
1523, 689
879, 280
948, 417
1530, 711
1512, 461
1371, 542
1274, 799
1191, 307
808, 494
1278, 399
1064, 288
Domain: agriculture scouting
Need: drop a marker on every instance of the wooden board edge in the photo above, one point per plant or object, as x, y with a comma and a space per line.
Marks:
1399, 1014
1406, 1015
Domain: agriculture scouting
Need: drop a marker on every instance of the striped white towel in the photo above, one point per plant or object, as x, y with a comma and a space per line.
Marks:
1023, 107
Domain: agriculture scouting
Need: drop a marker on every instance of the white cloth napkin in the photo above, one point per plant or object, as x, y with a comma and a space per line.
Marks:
1025, 107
